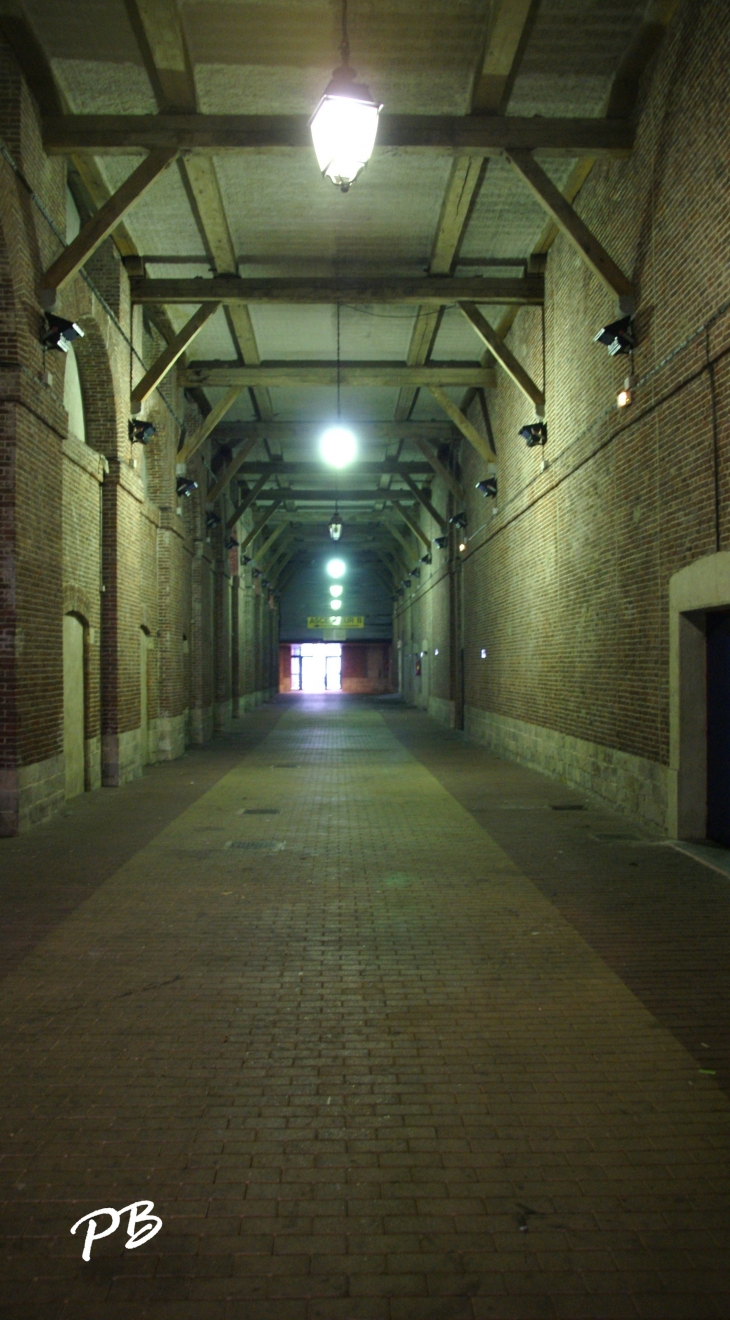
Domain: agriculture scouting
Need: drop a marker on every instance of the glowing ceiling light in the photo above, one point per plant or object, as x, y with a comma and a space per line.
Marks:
338, 446
345, 123
335, 590
336, 568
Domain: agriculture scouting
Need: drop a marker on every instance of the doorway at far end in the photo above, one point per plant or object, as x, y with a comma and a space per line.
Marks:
316, 667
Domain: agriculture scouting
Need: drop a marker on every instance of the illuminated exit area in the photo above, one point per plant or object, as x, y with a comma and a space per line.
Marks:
316, 667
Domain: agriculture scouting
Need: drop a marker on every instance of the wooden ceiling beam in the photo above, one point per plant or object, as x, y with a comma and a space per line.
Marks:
573, 227
411, 522
497, 65
504, 356
318, 374
236, 432
467, 428
158, 27
170, 355
429, 292
230, 470
423, 499
245, 503
102, 223
259, 526
447, 477
474, 134
217, 412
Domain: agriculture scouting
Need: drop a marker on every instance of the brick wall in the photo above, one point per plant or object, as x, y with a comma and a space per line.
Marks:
566, 587
94, 528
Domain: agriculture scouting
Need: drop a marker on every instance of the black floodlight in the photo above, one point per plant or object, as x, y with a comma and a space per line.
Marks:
488, 487
458, 520
265, 582
60, 333
618, 336
415, 572
441, 542
212, 519
141, 432
534, 434
406, 583
246, 559
185, 487
427, 558
256, 572
231, 543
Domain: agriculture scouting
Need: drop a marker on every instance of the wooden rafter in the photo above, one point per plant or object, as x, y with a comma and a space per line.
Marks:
236, 432
258, 526
160, 36
496, 66
411, 522
479, 135
575, 230
264, 549
170, 354
447, 477
361, 374
504, 356
247, 501
466, 427
431, 292
102, 223
423, 499
230, 470
200, 435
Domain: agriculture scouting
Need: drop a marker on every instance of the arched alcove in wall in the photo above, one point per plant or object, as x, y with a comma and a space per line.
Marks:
74, 704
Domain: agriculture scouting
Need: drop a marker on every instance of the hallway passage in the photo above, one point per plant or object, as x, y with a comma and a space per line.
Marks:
380, 1034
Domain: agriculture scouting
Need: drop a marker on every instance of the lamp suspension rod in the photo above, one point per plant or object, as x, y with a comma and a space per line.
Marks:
345, 47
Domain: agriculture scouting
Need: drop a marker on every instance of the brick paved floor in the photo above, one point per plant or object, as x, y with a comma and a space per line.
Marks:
364, 1066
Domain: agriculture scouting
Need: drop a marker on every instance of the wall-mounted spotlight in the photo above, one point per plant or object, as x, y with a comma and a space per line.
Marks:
427, 558
534, 434
459, 520
415, 572
231, 543
212, 520
406, 583
59, 333
246, 559
255, 572
618, 336
141, 432
441, 542
185, 487
488, 487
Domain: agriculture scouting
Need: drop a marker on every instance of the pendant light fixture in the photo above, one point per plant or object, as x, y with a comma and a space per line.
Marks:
338, 445
345, 123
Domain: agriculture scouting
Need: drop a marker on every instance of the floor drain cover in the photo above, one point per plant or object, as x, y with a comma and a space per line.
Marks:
286, 765
260, 845
258, 811
620, 838
567, 806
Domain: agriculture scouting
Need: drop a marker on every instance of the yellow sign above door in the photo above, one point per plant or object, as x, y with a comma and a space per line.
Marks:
336, 621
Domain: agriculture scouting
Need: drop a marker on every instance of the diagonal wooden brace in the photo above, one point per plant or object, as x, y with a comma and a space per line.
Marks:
170, 355
101, 224
504, 356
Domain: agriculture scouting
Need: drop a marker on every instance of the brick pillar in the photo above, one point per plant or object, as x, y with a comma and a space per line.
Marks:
235, 646
201, 645
120, 627
222, 644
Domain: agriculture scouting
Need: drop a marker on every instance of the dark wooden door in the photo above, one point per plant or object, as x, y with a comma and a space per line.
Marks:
718, 727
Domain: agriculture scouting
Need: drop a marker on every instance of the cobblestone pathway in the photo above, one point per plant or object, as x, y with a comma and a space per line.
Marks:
362, 1065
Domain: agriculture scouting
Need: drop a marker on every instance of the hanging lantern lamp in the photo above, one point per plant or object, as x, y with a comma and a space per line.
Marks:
345, 123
